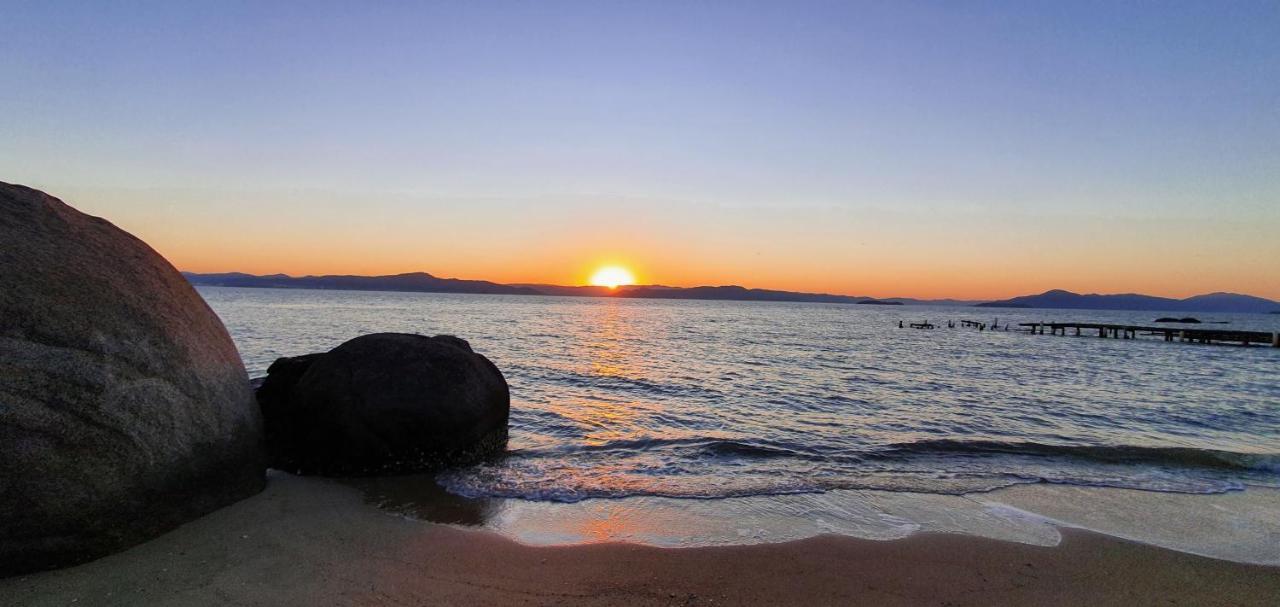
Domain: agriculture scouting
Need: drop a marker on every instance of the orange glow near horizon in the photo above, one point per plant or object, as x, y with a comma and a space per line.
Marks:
612, 277
898, 278
836, 252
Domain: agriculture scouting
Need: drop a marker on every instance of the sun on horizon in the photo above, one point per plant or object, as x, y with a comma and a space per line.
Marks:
612, 277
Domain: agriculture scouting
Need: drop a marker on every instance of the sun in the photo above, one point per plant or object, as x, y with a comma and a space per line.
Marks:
612, 277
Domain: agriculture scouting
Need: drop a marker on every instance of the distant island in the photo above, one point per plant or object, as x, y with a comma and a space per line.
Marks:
1227, 303
422, 282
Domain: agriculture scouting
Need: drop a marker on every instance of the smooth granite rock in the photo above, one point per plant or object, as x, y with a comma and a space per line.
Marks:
124, 406
384, 403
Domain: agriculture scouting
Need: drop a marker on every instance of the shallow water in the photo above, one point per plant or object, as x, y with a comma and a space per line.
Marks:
701, 399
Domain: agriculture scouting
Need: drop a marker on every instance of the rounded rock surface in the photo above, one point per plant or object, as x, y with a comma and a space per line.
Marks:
125, 409
384, 403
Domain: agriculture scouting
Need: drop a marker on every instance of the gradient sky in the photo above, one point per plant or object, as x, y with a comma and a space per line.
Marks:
915, 149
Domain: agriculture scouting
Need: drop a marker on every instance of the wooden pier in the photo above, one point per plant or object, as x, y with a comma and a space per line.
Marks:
1203, 336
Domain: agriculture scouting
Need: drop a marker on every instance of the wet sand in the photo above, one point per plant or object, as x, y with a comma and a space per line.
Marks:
315, 542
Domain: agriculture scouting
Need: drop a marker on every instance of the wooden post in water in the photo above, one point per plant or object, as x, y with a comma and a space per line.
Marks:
1275, 339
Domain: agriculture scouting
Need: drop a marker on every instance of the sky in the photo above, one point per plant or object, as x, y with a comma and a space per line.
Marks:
951, 149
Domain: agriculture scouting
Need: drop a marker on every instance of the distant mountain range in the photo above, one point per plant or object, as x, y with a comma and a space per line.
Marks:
1212, 302
415, 281
426, 283
727, 292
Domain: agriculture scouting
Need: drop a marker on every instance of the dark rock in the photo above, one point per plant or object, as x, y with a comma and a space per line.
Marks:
1187, 320
124, 407
282, 375
384, 403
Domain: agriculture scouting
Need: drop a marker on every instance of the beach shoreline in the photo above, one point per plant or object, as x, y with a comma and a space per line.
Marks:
318, 542
1241, 526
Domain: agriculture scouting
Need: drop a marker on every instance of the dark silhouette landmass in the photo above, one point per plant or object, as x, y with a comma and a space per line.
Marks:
426, 283
911, 301
423, 282
732, 293
419, 282
1211, 302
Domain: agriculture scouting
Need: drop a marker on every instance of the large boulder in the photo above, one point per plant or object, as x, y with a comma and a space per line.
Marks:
124, 407
384, 403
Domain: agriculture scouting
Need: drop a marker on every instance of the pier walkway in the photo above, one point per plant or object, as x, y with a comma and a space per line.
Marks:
1204, 336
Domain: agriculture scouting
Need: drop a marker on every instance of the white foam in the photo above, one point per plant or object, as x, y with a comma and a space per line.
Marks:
1241, 526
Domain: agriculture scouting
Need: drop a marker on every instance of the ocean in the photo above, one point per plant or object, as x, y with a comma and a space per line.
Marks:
801, 418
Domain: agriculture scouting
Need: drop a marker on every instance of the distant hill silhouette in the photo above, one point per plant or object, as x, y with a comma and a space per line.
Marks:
911, 301
426, 283
1211, 302
732, 293
415, 281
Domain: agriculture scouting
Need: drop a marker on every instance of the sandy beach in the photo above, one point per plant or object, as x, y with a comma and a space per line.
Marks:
308, 541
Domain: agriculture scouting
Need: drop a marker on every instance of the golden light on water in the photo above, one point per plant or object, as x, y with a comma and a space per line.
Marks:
612, 277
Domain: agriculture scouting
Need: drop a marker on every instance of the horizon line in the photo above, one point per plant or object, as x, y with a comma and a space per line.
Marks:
532, 284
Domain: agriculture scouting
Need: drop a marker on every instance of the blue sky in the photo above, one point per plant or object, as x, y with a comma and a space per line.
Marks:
844, 122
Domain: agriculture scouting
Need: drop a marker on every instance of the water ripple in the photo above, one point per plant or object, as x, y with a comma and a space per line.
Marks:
692, 399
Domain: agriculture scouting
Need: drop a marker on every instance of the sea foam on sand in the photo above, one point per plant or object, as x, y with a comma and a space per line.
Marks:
1242, 526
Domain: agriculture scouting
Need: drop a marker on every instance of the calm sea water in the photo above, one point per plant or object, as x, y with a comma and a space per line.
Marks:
700, 399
